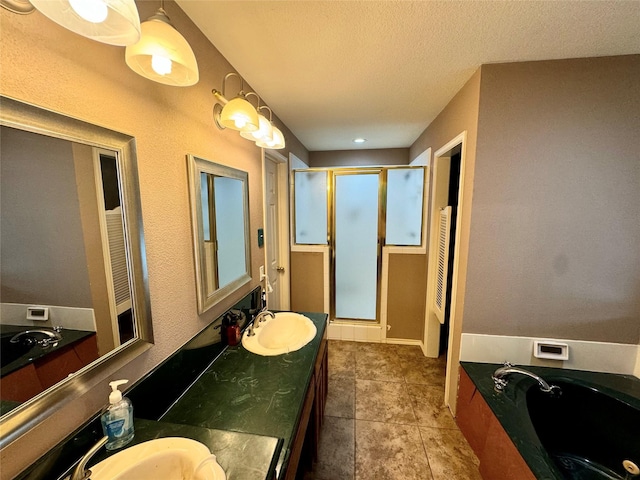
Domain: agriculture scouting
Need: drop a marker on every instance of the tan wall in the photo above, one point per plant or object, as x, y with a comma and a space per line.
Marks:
307, 282
41, 228
554, 229
359, 158
461, 114
49, 66
407, 298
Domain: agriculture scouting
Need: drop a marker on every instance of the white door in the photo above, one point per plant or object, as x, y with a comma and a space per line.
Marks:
274, 270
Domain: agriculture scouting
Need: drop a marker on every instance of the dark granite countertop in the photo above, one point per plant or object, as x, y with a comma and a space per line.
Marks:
14, 359
510, 406
242, 456
249, 393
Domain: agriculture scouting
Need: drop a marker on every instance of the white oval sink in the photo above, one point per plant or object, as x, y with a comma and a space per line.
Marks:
286, 332
164, 458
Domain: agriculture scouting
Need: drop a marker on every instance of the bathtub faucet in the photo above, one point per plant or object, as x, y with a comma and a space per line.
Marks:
500, 378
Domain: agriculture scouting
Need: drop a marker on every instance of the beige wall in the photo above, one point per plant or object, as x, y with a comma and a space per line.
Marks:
49, 66
406, 295
359, 158
554, 247
460, 115
307, 284
43, 252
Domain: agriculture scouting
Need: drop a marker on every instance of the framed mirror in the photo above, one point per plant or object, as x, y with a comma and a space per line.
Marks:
219, 198
74, 294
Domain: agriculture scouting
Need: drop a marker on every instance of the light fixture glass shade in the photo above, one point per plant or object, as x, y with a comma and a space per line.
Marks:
276, 143
115, 22
239, 114
163, 55
264, 132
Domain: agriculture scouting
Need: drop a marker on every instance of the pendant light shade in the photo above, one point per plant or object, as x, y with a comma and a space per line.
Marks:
115, 22
239, 114
276, 143
264, 132
162, 54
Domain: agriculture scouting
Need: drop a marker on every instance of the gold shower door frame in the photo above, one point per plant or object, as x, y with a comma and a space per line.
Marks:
382, 186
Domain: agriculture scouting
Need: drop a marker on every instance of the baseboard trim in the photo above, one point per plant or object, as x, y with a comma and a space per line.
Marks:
583, 355
355, 332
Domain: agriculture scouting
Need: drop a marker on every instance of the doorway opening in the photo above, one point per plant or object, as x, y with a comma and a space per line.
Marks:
442, 331
454, 185
276, 276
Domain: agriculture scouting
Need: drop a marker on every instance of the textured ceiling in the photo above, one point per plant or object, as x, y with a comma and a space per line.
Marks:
336, 70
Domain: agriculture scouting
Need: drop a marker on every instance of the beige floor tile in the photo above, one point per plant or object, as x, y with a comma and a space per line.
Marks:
425, 371
341, 401
341, 362
408, 353
342, 345
428, 406
378, 365
336, 453
389, 452
378, 348
383, 402
450, 456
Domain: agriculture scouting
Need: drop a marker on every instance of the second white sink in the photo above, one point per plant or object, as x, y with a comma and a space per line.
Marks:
164, 458
286, 332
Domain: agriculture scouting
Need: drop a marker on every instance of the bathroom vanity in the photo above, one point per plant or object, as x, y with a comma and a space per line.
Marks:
29, 370
260, 415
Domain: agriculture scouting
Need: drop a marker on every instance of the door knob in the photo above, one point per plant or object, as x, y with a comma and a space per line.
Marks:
280, 269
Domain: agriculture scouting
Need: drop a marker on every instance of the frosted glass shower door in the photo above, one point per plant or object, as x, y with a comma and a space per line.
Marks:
356, 245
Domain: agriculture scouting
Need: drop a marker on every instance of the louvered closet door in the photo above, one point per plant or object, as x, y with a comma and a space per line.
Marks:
440, 297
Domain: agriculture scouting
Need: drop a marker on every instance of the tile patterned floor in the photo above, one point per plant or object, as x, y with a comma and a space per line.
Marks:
385, 418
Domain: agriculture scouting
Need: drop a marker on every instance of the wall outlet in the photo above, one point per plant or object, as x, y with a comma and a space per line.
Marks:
38, 313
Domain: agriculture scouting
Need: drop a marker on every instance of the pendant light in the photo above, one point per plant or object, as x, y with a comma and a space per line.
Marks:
162, 54
115, 22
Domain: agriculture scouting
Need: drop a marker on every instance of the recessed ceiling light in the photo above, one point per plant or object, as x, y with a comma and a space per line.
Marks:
359, 140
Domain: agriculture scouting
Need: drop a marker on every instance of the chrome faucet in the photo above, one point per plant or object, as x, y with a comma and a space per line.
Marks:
53, 336
259, 319
80, 472
500, 378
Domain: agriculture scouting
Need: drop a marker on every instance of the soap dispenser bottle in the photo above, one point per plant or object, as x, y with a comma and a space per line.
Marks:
117, 420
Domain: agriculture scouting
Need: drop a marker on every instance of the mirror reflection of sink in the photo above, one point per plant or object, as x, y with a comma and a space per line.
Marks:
286, 332
163, 458
11, 351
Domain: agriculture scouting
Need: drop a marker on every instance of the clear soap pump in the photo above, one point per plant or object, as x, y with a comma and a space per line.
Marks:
117, 420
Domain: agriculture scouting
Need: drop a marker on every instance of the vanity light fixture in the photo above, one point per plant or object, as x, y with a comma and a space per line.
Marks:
265, 128
115, 22
239, 114
162, 54
359, 140
276, 144
274, 141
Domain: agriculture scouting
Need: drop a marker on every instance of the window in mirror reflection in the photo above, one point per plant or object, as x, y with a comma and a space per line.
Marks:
223, 228
220, 216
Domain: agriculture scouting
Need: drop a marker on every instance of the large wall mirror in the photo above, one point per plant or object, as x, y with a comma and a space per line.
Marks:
74, 300
220, 218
